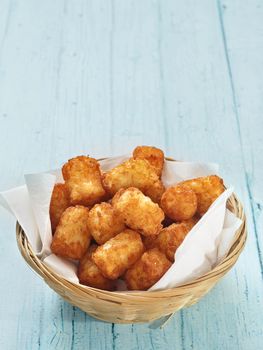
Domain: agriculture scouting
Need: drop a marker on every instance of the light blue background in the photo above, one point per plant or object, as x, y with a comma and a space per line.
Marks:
101, 77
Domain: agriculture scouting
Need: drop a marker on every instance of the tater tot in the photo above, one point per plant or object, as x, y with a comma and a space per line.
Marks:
90, 275
72, 236
139, 212
179, 202
115, 256
58, 204
147, 270
83, 178
133, 173
155, 192
153, 155
170, 238
104, 222
207, 189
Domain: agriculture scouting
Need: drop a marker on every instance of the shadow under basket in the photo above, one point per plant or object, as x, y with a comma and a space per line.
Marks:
140, 306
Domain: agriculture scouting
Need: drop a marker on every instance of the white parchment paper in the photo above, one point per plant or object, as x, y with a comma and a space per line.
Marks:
203, 248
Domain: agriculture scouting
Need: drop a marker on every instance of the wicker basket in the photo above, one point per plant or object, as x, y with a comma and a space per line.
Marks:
141, 306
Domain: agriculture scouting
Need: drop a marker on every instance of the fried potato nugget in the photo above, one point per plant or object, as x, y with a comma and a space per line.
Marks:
139, 212
115, 256
72, 236
153, 155
58, 204
147, 270
90, 275
207, 189
104, 222
179, 202
155, 192
133, 173
170, 238
83, 178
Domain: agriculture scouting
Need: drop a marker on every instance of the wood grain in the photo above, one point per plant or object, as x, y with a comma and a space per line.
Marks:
101, 77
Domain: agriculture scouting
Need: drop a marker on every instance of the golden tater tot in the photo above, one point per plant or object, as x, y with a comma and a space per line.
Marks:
83, 178
58, 204
115, 256
170, 238
147, 270
72, 236
116, 197
153, 155
104, 222
155, 192
179, 202
90, 275
139, 212
207, 189
133, 173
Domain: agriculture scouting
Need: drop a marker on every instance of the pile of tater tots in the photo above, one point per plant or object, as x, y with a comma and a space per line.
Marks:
123, 223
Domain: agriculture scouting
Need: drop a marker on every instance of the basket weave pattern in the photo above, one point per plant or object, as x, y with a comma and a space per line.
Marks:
141, 306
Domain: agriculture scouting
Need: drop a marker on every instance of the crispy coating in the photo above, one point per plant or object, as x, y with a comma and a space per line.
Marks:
115, 256
147, 270
72, 236
207, 189
83, 178
155, 192
133, 173
153, 155
90, 275
104, 222
179, 202
58, 204
170, 238
116, 197
138, 211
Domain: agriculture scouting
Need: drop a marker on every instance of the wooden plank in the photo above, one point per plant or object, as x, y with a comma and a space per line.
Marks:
244, 62
243, 48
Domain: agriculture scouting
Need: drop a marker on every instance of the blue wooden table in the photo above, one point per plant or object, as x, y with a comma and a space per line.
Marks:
101, 77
